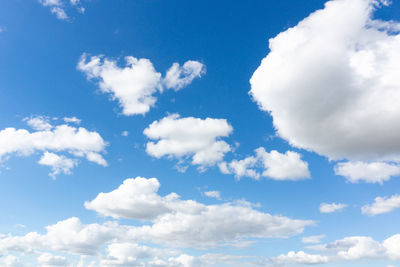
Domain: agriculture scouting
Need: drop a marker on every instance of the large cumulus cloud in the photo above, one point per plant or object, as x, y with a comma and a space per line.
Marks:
331, 83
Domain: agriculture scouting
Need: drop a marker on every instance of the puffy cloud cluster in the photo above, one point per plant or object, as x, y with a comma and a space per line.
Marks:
11, 261
301, 258
187, 222
331, 207
165, 221
275, 165
57, 163
69, 236
189, 137
363, 247
78, 142
57, 7
382, 205
213, 194
49, 260
178, 77
135, 84
331, 85
373, 172
348, 249
315, 239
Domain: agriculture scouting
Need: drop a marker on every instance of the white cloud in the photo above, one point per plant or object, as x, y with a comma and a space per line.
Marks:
72, 120
49, 260
50, 2
187, 222
59, 12
301, 258
331, 83
178, 77
56, 8
69, 236
213, 194
277, 166
374, 172
331, 207
131, 254
39, 123
240, 168
134, 85
78, 142
382, 205
312, 239
135, 199
189, 137
57, 163
363, 247
125, 133
11, 261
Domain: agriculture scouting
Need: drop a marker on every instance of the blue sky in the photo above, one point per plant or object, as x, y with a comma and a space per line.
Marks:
276, 123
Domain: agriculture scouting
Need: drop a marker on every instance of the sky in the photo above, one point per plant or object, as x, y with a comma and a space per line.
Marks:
199, 133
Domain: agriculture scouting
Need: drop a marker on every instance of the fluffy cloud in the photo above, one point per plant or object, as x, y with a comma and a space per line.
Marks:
187, 222
189, 137
39, 123
49, 260
72, 120
277, 166
331, 207
331, 83
78, 142
382, 205
312, 239
135, 84
57, 7
57, 163
65, 236
374, 172
11, 261
213, 194
363, 247
178, 77
300, 258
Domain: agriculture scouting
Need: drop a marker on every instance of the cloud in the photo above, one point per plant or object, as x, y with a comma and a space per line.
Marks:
330, 83
178, 77
382, 205
133, 85
39, 123
72, 120
78, 142
301, 258
331, 207
374, 172
69, 236
213, 194
187, 222
189, 137
124, 133
312, 239
131, 254
49, 260
59, 12
11, 261
363, 247
56, 8
57, 163
275, 165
